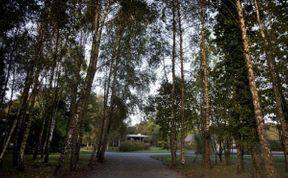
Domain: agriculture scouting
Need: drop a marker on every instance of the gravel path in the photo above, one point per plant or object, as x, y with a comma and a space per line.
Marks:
132, 165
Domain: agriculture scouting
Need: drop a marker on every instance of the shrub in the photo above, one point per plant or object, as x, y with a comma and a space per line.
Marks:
163, 144
133, 146
275, 145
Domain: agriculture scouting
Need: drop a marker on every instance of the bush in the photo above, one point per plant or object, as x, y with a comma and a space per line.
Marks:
275, 145
133, 146
163, 144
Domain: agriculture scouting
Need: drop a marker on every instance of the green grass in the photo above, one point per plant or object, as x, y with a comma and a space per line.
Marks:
153, 149
36, 168
113, 149
195, 170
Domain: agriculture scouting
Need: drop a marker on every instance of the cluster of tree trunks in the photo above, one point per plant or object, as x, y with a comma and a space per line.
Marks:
74, 136
33, 85
274, 78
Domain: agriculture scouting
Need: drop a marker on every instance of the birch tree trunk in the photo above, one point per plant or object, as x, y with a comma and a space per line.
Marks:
7, 141
39, 141
106, 128
54, 96
51, 128
108, 112
240, 154
227, 151
257, 162
21, 113
205, 101
264, 145
8, 133
20, 162
220, 151
107, 86
104, 116
274, 78
173, 134
182, 132
82, 102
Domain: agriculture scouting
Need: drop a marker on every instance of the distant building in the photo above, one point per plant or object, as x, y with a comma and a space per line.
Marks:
138, 137
190, 139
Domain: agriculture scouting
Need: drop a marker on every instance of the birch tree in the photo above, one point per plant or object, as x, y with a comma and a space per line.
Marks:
274, 78
205, 98
264, 145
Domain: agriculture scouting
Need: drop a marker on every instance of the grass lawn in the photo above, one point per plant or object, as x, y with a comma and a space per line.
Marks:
195, 170
154, 149
36, 168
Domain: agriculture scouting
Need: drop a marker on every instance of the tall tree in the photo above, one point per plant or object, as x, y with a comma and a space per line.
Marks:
32, 72
276, 84
205, 98
182, 105
128, 26
235, 108
101, 11
264, 145
173, 132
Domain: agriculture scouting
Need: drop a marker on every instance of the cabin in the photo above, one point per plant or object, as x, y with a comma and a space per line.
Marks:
136, 137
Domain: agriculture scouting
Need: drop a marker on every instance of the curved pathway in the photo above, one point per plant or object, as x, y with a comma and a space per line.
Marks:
132, 165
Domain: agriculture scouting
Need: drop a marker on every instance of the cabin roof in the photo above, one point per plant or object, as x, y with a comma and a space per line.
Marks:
136, 136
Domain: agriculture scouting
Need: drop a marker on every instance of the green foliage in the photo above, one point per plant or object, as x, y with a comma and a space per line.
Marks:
118, 128
93, 119
48, 41
131, 145
149, 127
160, 107
126, 43
233, 114
275, 145
199, 143
163, 144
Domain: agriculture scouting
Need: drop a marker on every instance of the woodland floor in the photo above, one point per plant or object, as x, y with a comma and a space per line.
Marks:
38, 169
193, 168
117, 165
136, 164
